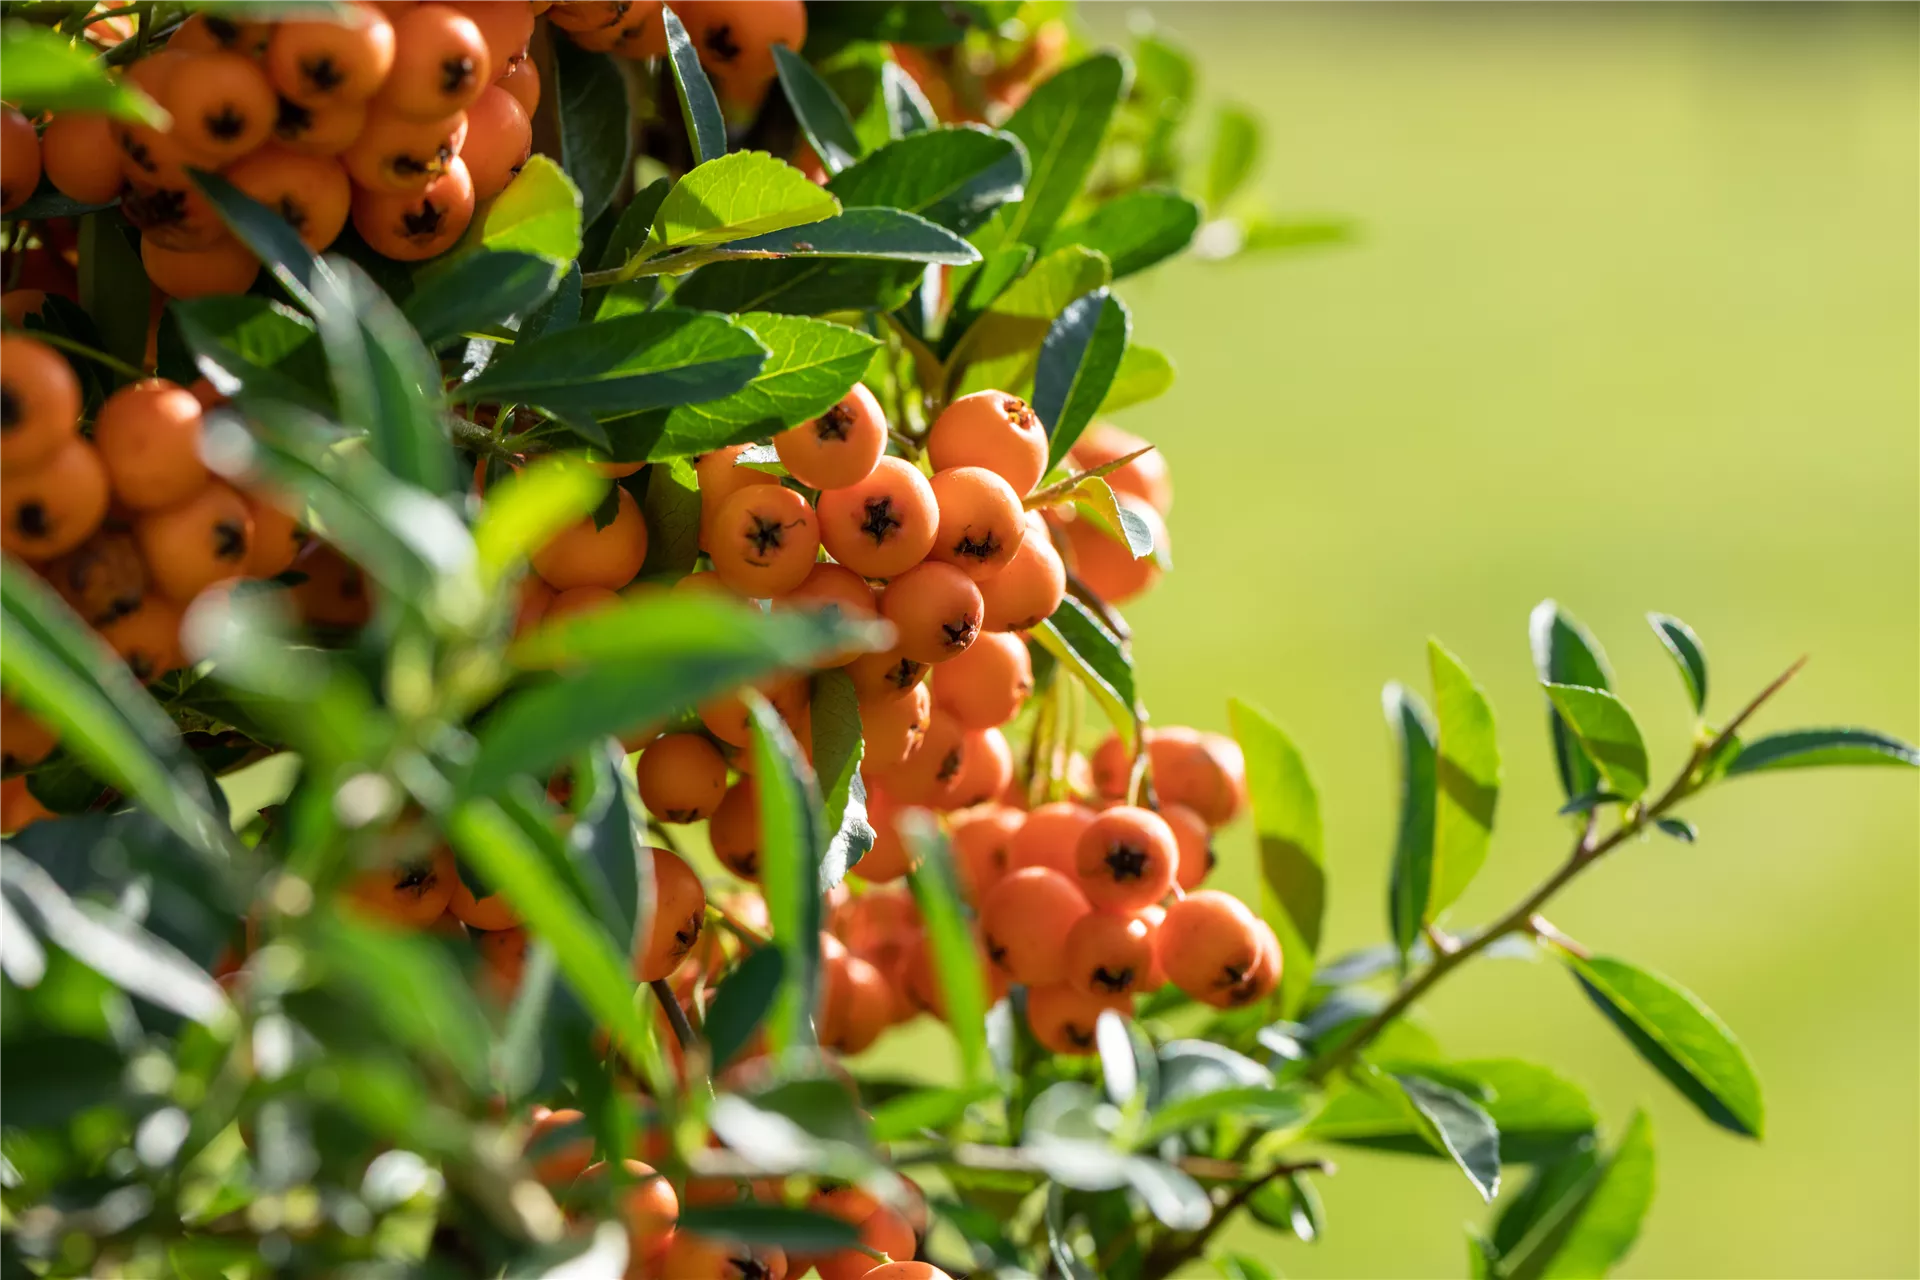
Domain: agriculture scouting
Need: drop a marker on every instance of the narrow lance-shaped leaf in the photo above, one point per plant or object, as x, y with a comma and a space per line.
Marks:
1589, 1222
956, 960
406, 429
706, 127
279, 248
791, 848
1412, 870
1062, 123
822, 116
1078, 360
538, 213
1136, 230
1236, 150
1286, 821
1097, 657
1679, 1037
1003, 348
864, 233
1468, 777
744, 194
1607, 735
42, 71
1688, 656
596, 142
742, 1002
1565, 652
908, 110
834, 717
1461, 1127
476, 292
1814, 748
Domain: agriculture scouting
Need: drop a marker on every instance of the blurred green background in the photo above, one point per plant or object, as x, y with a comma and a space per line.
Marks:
1632, 323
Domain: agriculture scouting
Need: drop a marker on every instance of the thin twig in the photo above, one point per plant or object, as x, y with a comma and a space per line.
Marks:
1166, 1261
81, 349
1061, 489
676, 1016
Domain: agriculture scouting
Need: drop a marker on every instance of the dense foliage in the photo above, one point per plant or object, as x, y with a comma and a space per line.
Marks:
562, 560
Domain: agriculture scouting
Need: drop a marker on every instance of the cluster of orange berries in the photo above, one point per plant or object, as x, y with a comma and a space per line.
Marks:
733, 38
399, 119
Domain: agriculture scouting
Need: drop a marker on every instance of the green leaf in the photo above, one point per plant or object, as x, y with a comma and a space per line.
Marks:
517, 1054
1172, 1196
1412, 877
1144, 374
792, 845
1286, 821
1134, 231
401, 379
596, 141
1607, 735
742, 1001
796, 1229
633, 362
1539, 1113
113, 285
1679, 1037
629, 236
864, 233
744, 194
1468, 774
1268, 1107
1003, 347
908, 110
477, 291
279, 248
410, 988
956, 961
955, 177
1263, 234
672, 511
1581, 1223
1097, 657
1079, 358
59, 669
632, 664
1241, 1266
1457, 1123
1565, 652
1061, 124
1679, 828
822, 116
249, 345
1236, 149
1094, 495
699, 107
834, 718
1688, 655
905, 1115
42, 71
1812, 748
538, 213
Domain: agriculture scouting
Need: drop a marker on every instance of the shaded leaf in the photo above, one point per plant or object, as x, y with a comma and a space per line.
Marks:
1468, 778
1078, 360
908, 110
699, 107
254, 346
1813, 748
1286, 820
596, 143
950, 944
864, 233
1097, 657
42, 71
1460, 1127
792, 847
1586, 1224
1540, 1114
822, 116
1565, 652
1689, 658
1061, 124
742, 1001
1412, 868
797, 1229
477, 291
1135, 230
1607, 735
834, 717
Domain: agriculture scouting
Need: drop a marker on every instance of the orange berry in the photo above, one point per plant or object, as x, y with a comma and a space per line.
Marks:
637, 28
1024, 921
981, 840
1204, 771
333, 592
317, 63
311, 192
681, 777
1155, 977
648, 1206
499, 140
883, 1231
1031, 586
24, 741
1125, 859
580, 600
411, 227
174, 216
410, 894
1108, 954
1065, 1020
1209, 943
887, 861
986, 686
103, 578
829, 585
1195, 840
889, 674
981, 523
840, 447
679, 914
559, 1146
734, 831
147, 639
583, 556
1145, 478
191, 546
588, 15
859, 1003
503, 958
221, 104
19, 159
720, 477
931, 773
81, 158
227, 267
1050, 837
1105, 563
727, 719
882, 526
53, 508
522, 80
19, 808
206, 32
535, 598
1258, 982
893, 728
319, 131
39, 402
994, 430
764, 541
277, 536
935, 610
735, 39
17, 304
440, 63
148, 435
489, 912
691, 1257
906, 1271
393, 155
505, 28
986, 768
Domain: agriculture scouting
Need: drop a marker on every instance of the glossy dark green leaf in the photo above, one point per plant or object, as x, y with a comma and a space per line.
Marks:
1581, 1219
1236, 150
1061, 124
1689, 657
243, 343
1459, 1125
1134, 231
1467, 773
865, 233
748, 193
1565, 652
742, 1001
1286, 821
475, 292
800, 286
834, 718
114, 290
796, 1229
955, 177
403, 380
1002, 349
1607, 735
596, 140
950, 945
792, 848
1814, 748
1679, 1037
52, 1078
822, 116
1540, 1114
908, 110
1679, 828
629, 236
699, 107
605, 842
412, 990
277, 245
43, 71
518, 1054
1078, 359
1417, 750
672, 511
1097, 657
560, 311
633, 362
